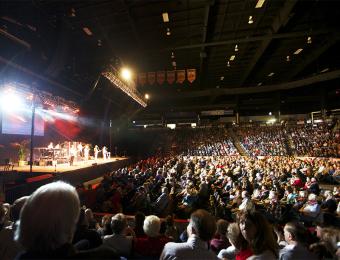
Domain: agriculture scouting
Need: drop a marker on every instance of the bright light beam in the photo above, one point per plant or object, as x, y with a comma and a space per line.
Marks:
10, 101
126, 74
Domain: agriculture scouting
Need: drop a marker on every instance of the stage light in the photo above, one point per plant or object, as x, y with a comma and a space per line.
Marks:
126, 74
250, 20
146, 96
11, 101
270, 113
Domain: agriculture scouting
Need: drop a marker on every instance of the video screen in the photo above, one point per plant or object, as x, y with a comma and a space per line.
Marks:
19, 123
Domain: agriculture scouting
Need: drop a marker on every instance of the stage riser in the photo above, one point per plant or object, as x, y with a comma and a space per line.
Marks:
75, 177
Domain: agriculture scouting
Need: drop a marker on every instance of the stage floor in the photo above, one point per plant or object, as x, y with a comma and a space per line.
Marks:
66, 167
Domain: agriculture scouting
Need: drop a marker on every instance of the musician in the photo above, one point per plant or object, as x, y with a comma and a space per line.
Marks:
86, 152
73, 153
80, 149
96, 151
104, 150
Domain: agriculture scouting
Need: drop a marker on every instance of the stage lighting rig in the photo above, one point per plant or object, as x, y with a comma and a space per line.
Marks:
121, 81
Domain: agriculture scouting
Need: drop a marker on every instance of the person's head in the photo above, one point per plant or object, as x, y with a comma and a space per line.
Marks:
17, 206
294, 232
235, 237
257, 231
152, 225
202, 224
139, 219
222, 227
48, 218
2, 214
245, 194
118, 223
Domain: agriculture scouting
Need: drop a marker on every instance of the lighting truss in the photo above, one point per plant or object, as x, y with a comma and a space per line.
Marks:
42, 97
128, 87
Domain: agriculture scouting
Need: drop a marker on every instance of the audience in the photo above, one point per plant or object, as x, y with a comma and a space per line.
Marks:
200, 230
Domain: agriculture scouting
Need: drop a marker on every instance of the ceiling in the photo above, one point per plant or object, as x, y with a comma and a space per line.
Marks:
48, 42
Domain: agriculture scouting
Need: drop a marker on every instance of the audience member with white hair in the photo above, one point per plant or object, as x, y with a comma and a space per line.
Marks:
152, 245
47, 224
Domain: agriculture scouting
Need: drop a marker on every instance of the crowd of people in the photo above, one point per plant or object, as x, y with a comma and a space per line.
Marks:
237, 207
318, 140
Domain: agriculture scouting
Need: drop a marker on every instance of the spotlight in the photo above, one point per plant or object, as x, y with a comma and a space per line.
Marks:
228, 64
288, 58
168, 33
309, 40
126, 74
250, 21
146, 96
10, 101
236, 47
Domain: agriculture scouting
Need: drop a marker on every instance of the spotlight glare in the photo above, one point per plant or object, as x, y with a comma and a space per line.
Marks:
10, 101
146, 96
126, 74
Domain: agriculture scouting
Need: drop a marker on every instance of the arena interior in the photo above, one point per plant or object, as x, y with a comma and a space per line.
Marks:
179, 129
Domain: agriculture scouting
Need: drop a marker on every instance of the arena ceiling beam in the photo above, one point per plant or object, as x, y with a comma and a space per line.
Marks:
279, 21
203, 54
328, 42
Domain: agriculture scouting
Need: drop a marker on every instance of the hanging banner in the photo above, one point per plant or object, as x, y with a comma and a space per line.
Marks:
151, 77
142, 79
180, 76
170, 76
160, 77
191, 75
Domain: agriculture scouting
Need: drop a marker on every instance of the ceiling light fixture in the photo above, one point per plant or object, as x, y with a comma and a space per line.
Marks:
87, 31
271, 74
324, 70
259, 3
232, 57
172, 55
168, 33
298, 51
236, 47
259, 84
309, 40
165, 17
222, 78
250, 20
288, 58
228, 64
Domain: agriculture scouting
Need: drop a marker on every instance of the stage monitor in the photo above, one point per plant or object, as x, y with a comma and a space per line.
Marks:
19, 123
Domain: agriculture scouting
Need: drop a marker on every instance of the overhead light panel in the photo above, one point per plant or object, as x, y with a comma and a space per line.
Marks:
309, 40
236, 47
250, 20
259, 3
298, 51
168, 32
87, 31
232, 57
271, 74
165, 17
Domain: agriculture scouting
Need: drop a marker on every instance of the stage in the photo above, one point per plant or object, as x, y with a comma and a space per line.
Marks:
62, 168
20, 182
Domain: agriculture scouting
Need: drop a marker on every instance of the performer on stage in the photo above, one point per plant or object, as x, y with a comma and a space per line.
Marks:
96, 151
73, 153
86, 152
104, 152
80, 149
